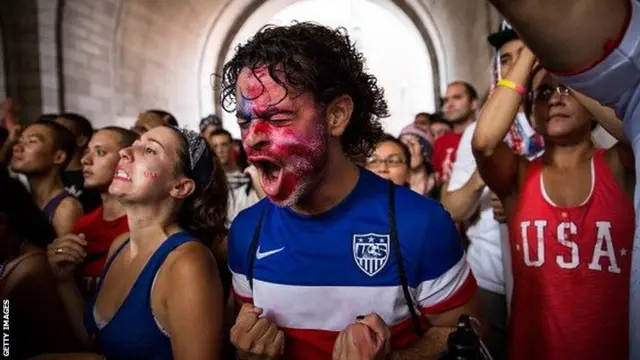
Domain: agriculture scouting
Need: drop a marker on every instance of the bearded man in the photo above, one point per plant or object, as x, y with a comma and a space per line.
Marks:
336, 262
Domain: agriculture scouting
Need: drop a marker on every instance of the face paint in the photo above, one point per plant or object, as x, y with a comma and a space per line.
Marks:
286, 139
151, 175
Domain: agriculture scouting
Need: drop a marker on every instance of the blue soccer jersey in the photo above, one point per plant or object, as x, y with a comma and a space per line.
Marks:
313, 275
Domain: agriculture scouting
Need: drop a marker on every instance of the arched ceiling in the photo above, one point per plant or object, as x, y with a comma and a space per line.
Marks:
165, 52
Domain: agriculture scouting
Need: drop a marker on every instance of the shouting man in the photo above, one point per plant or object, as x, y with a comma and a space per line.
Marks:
336, 261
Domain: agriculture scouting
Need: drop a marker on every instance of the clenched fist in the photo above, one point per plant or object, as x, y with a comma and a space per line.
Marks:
367, 339
255, 337
65, 254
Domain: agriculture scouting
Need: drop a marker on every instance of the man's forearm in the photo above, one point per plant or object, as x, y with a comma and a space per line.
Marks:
562, 33
430, 346
460, 203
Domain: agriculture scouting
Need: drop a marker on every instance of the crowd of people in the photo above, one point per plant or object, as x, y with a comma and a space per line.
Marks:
319, 236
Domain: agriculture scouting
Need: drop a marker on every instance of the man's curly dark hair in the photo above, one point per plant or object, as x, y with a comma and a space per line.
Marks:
321, 61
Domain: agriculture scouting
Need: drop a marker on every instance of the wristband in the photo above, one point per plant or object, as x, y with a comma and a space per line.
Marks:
512, 85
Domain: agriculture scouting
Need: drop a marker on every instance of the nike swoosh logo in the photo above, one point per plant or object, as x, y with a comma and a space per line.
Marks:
262, 255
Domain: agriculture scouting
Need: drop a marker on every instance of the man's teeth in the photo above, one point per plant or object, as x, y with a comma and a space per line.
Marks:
122, 174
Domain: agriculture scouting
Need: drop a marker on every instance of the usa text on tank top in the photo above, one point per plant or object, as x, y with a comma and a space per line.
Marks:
571, 268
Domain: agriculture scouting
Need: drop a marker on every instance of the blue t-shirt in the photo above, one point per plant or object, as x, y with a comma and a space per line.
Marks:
313, 275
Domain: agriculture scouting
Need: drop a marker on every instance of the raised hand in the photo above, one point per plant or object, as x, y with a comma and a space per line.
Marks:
65, 253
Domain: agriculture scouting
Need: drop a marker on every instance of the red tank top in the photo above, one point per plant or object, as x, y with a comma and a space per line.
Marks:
571, 269
99, 235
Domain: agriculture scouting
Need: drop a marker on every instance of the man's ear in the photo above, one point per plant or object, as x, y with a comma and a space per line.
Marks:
59, 157
183, 188
339, 114
474, 104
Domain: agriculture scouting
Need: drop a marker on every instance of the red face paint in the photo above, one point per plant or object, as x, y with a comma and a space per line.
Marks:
151, 175
294, 146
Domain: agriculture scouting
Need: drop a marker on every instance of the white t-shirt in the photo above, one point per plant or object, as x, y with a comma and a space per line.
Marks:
488, 253
484, 254
615, 82
241, 195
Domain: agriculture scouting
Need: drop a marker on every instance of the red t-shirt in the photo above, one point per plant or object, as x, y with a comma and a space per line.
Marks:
571, 269
99, 235
444, 154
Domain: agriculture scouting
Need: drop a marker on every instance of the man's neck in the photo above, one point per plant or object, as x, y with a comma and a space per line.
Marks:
460, 126
339, 178
111, 208
45, 186
75, 163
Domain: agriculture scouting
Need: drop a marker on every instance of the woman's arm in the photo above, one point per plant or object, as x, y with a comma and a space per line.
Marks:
193, 311
497, 164
605, 116
620, 157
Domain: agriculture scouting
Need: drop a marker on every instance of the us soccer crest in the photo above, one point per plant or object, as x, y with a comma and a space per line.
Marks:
371, 252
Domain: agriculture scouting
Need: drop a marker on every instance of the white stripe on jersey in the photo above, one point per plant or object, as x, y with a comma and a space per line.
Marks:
332, 308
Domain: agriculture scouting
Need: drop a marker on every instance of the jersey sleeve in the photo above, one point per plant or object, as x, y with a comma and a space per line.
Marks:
238, 257
615, 81
446, 281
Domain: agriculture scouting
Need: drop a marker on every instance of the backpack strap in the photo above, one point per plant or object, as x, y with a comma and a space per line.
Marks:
415, 318
253, 247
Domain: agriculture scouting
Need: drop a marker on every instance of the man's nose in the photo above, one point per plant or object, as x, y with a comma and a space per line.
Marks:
255, 138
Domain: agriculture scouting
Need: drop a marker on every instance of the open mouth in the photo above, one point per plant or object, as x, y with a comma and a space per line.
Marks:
270, 175
121, 175
269, 169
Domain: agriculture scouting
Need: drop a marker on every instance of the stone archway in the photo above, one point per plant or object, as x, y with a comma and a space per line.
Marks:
231, 19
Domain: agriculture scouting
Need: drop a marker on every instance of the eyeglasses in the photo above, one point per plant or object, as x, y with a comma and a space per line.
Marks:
391, 161
545, 92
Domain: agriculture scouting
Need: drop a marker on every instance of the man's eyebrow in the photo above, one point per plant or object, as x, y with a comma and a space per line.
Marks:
265, 112
270, 111
37, 137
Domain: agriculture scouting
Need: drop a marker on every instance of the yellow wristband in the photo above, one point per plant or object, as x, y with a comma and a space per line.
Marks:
511, 85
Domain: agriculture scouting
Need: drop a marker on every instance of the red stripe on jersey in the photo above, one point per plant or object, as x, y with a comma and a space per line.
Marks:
318, 344
459, 298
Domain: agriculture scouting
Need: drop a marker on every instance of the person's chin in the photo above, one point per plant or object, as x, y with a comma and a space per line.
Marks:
287, 197
118, 188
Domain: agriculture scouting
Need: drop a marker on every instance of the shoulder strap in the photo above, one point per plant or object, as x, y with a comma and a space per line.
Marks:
50, 209
415, 318
253, 247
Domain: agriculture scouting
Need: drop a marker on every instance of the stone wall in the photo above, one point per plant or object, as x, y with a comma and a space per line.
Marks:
89, 29
464, 26
121, 57
22, 55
